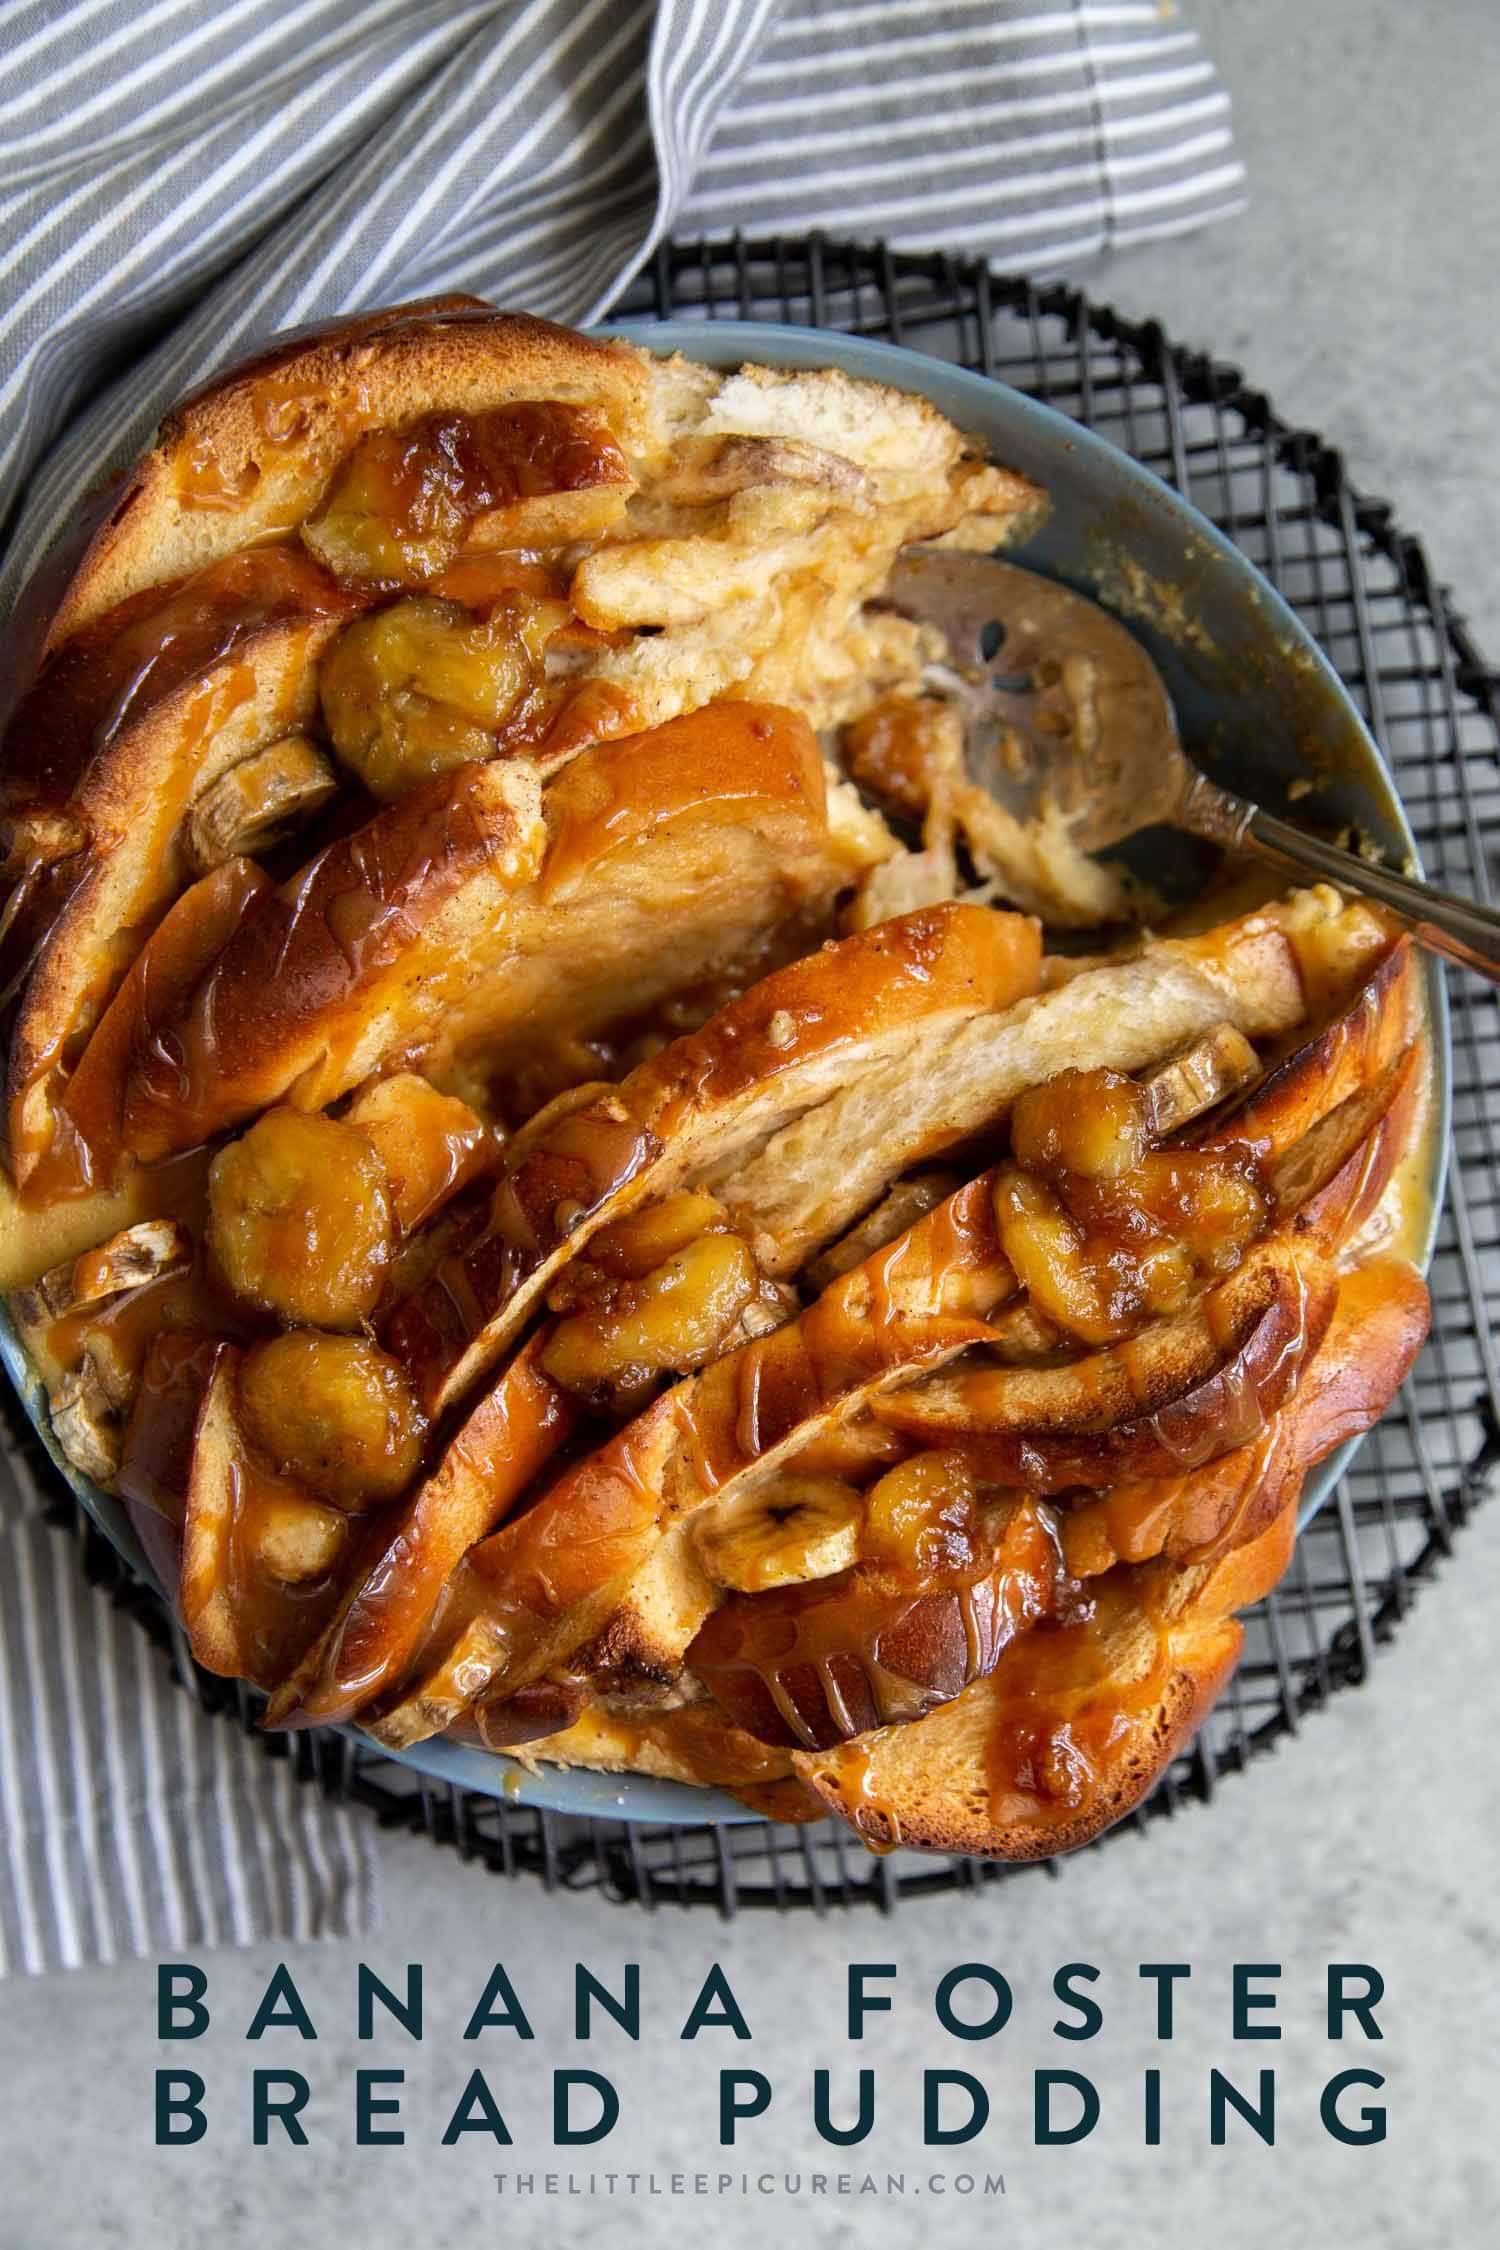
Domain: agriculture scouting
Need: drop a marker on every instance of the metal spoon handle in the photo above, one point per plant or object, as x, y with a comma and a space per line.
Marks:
1453, 927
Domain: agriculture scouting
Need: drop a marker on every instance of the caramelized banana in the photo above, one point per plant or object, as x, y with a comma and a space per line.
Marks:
921, 1517
431, 1144
673, 1318
299, 1219
248, 807
406, 502
634, 1246
424, 686
791, 1528
335, 1413
1104, 1231
1092, 1122
297, 1539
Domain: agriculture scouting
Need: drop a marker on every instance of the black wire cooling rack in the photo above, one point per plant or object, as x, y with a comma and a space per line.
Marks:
1366, 591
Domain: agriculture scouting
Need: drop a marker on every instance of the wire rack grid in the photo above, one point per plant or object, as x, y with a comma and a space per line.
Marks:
1366, 591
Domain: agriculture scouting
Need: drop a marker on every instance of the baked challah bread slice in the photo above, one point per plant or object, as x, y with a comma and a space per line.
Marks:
254, 449
693, 1110
689, 1742
478, 906
1259, 974
1070, 1729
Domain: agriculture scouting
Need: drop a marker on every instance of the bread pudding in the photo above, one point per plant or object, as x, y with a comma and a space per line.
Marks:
549, 1154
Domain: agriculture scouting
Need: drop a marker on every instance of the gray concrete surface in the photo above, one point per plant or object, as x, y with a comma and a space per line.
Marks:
1361, 292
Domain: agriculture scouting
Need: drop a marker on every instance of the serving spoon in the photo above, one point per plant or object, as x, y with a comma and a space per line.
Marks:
1061, 701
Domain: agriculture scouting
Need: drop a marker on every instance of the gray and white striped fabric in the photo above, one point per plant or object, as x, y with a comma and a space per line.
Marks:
179, 178
132, 1823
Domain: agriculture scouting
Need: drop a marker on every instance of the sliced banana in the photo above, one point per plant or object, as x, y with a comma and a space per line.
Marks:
790, 1528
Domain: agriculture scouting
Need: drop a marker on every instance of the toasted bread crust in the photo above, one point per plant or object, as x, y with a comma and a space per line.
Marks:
693, 1745
132, 803
1380, 1319
253, 449
1120, 1691
691, 1110
1352, 1049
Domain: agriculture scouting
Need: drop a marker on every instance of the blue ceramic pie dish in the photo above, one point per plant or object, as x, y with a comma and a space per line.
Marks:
1254, 696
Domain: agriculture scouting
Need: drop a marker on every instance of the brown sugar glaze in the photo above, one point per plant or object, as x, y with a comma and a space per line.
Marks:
815, 1664
406, 501
108, 677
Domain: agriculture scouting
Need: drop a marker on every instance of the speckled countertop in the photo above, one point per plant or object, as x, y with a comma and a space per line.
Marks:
1361, 293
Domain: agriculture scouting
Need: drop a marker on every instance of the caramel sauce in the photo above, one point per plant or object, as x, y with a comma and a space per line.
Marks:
205, 478
1067, 1719
480, 581
277, 1619
433, 1145
86, 1148
33, 1239
541, 1198
159, 1435
405, 501
872, 1815
811, 1665
113, 671
902, 750
123, 1327
570, 719
587, 1158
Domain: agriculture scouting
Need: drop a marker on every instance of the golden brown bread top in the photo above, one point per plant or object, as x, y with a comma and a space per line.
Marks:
764, 1059
419, 927
131, 806
251, 451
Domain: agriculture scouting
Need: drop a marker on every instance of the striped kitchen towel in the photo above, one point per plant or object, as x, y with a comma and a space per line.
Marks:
178, 178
